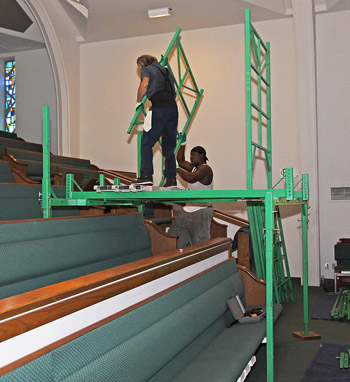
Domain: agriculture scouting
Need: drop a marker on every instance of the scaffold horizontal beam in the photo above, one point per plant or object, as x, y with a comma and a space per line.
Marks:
89, 198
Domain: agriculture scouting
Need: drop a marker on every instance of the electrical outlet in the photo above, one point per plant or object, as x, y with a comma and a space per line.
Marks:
326, 266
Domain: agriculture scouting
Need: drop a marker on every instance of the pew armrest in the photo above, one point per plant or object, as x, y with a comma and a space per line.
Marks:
161, 240
217, 229
255, 288
243, 249
14, 163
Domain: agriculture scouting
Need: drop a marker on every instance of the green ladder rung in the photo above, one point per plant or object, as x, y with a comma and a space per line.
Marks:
257, 108
260, 147
259, 74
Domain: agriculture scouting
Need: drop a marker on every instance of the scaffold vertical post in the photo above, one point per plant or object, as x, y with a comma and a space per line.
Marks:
305, 182
248, 97
69, 185
268, 154
102, 179
269, 220
139, 139
46, 181
304, 218
289, 183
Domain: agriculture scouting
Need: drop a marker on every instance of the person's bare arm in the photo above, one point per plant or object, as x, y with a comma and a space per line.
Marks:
180, 157
141, 91
203, 174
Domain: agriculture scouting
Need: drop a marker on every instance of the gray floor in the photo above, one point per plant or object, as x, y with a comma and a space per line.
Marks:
293, 356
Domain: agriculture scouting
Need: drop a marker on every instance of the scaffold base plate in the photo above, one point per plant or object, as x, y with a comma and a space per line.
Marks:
309, 336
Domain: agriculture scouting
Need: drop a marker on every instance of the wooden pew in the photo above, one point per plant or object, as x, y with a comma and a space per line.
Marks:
243, 249
29, 164
32, 310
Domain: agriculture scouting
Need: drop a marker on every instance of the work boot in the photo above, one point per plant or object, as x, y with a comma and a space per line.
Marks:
144, 181
170, 183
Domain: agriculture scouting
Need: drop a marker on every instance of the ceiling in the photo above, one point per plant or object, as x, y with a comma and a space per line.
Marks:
122, 19
18, 31
96, 20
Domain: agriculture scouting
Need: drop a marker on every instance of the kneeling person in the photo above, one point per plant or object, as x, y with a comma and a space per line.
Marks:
192, 223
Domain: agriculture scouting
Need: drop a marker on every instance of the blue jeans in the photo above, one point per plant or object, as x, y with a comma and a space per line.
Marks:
192, 227
164, 124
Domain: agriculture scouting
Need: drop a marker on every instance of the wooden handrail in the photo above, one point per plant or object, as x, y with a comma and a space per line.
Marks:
240, 222
125, 176
29, 310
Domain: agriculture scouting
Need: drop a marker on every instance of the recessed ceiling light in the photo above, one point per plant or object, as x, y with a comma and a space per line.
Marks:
159, 12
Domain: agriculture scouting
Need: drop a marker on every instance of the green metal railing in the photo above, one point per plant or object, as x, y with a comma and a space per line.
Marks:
257, 64
183, 78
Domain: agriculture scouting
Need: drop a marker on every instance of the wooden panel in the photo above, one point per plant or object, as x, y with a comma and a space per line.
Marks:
243, 256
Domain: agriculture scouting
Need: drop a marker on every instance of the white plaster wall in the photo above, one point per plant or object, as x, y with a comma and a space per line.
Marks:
61, 36
34, 88
333, 92
108, 85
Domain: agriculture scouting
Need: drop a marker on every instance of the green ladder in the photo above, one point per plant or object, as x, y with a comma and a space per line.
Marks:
184, 80
258, 100
258, 103
282, 285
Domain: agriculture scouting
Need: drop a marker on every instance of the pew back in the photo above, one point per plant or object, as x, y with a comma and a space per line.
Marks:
20, 201
5, 174
37, 253
16, 143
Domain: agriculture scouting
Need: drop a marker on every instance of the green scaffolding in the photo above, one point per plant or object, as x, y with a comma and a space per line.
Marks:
186, 90
270, 197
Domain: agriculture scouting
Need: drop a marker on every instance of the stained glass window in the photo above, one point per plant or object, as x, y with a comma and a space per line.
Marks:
10, 95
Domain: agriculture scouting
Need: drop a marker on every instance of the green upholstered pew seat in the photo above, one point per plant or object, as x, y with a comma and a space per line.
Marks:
178, 336
37, 253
